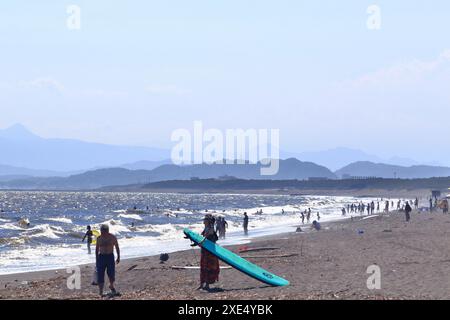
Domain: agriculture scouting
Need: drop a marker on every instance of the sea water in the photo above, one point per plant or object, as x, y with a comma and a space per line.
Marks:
58, 221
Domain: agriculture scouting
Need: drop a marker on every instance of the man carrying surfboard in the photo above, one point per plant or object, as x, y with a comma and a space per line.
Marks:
104, 253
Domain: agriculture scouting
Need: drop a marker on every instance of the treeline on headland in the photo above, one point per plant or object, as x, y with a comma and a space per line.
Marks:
348, 184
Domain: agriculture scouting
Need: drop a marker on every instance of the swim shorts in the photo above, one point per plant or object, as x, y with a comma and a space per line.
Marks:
106, 262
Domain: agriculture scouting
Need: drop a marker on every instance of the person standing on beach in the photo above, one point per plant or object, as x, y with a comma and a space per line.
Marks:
318, 216
89, 236
209, 263
378, 206
104, 254
445, 206
416, 203
245, 223
431, 204
303, 217
408, 210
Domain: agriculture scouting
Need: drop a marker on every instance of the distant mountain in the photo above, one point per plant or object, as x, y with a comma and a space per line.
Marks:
144, 165
337, 158
289, 169
6, 170
7, 178
334, 158
21, 148
17, 132
381, 170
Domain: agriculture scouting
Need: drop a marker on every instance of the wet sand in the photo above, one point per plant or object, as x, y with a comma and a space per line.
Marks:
414, 260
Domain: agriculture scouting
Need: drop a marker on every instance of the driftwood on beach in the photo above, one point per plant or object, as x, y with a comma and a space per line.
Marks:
258, 249
194, 267
272, 256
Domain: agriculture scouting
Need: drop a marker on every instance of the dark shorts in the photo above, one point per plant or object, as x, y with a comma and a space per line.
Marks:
106, 262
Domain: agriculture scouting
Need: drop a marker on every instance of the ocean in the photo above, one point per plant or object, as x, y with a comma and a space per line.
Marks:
58, 220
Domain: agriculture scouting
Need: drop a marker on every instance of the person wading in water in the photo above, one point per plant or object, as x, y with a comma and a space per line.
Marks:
89, 236
245, 223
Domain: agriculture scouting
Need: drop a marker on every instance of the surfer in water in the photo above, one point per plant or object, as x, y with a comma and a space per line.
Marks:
89, 236
245, 223
104, 254
222, 227
209, 263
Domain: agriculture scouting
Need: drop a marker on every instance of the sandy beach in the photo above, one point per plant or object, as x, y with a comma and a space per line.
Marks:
328, 264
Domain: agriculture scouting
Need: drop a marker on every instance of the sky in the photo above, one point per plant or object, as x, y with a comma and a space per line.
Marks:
138, 70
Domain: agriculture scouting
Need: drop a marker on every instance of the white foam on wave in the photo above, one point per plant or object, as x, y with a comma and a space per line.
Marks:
45, 231
62, 219
11, 226
116, 227
130, 216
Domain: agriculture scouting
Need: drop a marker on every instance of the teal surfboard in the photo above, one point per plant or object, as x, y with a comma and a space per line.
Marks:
236, 261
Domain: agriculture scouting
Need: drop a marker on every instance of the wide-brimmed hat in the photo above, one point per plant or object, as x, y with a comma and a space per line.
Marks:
209, 218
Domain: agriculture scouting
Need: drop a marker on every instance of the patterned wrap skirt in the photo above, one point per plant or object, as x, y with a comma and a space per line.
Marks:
209, 267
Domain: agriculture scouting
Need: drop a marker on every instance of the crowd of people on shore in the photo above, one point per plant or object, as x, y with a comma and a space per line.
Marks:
399, 205
215, 228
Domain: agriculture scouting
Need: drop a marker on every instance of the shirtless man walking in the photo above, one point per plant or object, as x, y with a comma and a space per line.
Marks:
104, 253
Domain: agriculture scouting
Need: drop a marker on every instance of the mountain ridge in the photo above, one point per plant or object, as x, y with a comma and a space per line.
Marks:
383, 170
22, 148
289, 169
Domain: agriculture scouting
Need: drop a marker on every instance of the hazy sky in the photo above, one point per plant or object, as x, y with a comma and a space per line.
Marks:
137, 70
